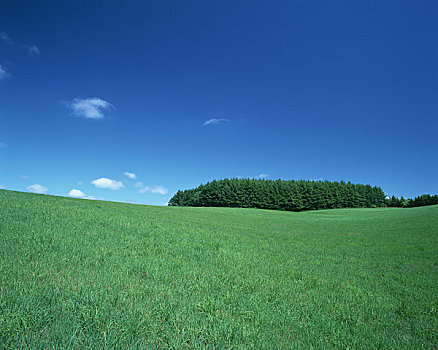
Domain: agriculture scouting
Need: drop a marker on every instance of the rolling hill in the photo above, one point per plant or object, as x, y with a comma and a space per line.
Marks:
91, 274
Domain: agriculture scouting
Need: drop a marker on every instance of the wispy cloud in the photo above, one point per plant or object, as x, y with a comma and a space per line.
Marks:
32, 50
4, 73
2, 187
263, 176
3, 145
90, 108
214, 121
153, 189
24, 177
130, 175
110, 184
74, 193
37, 188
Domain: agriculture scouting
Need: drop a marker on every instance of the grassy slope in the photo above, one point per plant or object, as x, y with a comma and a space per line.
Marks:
79, 273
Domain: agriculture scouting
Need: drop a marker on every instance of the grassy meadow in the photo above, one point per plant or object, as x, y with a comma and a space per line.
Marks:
80, 274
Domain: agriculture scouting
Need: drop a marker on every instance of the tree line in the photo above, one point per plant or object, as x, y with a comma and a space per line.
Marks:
419, 201
288, 195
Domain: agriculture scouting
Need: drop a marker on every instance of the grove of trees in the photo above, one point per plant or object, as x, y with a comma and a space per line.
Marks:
288, 195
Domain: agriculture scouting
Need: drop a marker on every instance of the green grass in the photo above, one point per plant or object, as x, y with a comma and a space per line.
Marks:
80, 274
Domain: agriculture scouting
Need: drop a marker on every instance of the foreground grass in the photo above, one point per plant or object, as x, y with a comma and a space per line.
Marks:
78, 273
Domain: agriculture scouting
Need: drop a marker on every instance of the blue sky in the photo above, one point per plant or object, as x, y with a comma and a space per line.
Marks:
177, 93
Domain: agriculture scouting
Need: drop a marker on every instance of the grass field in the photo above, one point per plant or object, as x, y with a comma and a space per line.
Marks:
88, 274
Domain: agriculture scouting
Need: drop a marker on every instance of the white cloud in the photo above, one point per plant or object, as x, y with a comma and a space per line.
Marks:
24, 177
38, 189
2, 187
79, 183
3, 73
76, 193
130, 175
90, 108
154, 189
110, 184
215, 121
263, 176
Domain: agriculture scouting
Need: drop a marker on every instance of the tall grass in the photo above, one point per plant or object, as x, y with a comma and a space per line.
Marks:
80, 274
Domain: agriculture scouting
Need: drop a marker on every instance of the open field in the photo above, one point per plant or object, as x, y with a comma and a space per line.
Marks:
81, 273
